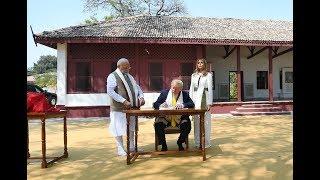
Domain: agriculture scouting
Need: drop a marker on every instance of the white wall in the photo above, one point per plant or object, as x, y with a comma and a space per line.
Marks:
61, 73
98, 99
214, 55
260, 62
102, 99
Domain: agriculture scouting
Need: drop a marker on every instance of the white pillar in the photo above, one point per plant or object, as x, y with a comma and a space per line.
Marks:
61, 73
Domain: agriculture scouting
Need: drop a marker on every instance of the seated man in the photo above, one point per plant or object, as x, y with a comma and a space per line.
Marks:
177, 99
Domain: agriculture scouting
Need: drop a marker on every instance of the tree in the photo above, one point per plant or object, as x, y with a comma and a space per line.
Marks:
124, 8
92, 20
46, 80
47, 63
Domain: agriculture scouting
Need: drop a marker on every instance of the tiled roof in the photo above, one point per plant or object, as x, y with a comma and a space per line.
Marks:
170, 27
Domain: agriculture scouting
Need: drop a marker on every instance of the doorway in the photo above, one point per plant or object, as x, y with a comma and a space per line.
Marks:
233, 85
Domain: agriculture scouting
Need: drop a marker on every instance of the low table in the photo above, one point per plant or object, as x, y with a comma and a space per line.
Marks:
42, 117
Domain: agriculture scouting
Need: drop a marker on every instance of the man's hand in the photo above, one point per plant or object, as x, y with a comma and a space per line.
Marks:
179, 106
165, 105
127, 104
142, 102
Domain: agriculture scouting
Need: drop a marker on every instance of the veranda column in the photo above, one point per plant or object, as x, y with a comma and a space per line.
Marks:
239, 85
61, 73
200, 51
270, 78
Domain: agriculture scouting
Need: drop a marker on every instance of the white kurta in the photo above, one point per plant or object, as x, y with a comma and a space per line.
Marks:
118, 121
197, 89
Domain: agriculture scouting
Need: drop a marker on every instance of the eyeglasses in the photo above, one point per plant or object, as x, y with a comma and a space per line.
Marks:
126, 67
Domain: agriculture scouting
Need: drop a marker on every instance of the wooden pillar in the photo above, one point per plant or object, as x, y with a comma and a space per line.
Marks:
200, 51
141, 52
270, 78
204, 52
239, 85
137, 62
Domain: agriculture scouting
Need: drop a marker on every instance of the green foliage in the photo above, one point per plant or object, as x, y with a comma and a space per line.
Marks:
92, 20
108, 18
233, 85
46, 79
47, 63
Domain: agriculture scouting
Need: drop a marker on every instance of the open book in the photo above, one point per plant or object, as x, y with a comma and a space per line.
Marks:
169, 108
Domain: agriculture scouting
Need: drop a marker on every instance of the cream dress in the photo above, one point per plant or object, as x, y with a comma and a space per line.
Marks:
202, 95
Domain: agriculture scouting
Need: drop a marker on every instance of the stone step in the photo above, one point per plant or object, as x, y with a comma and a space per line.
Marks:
258, 109
236, 113
256, 105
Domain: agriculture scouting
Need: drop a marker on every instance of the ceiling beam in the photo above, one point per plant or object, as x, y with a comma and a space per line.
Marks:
258, 52
282, 52
228, 53
251, 49
275, 50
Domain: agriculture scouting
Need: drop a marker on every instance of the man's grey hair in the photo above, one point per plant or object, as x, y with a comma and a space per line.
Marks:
177, 82
122, 61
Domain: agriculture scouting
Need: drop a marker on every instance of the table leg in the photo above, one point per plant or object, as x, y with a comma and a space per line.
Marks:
65, 153
128, 142
28, 154
200, 134
43, 142
136, 134
202, 131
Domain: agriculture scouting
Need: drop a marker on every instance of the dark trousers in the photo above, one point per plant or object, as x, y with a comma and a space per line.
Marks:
161, 124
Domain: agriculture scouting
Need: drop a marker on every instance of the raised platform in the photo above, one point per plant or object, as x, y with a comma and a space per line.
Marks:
254, 108
218, 108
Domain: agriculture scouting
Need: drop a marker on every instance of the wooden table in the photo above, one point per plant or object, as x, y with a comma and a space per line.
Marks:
133, 155
43, 117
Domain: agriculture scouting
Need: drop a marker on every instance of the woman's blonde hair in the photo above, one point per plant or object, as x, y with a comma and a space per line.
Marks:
205, 63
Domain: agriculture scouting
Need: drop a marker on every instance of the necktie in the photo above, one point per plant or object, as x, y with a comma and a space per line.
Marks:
126, 77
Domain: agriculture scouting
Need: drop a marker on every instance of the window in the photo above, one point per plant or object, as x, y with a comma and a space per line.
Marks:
83, 76
213, 80
262, 79
280, 79
289, 77
186, 72
113, 66
156, 76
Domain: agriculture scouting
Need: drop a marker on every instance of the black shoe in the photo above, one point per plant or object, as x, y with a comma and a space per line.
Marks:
164, 147
180, 146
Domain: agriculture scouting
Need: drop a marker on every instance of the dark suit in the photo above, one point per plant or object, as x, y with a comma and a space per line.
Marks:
161, 123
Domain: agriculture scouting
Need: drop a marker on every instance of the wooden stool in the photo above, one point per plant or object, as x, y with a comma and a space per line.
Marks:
170, 130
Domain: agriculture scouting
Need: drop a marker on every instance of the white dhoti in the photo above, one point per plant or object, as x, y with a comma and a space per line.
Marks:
118, 123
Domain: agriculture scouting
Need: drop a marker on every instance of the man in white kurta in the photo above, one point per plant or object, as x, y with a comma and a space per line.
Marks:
124, 93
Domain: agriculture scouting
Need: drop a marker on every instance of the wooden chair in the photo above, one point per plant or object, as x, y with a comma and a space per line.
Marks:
170, 130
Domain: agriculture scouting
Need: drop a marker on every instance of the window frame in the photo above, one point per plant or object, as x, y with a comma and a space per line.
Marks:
90, 76
258, 75
150, 76
188, 76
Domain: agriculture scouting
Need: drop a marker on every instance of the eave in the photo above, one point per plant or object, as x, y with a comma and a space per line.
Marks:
51, 42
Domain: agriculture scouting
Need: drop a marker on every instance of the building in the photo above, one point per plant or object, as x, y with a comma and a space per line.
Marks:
252, 60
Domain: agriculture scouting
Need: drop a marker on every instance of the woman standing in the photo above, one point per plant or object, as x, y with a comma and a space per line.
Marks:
202, 96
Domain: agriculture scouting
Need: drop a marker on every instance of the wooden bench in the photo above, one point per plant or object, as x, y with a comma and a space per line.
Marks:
42, 117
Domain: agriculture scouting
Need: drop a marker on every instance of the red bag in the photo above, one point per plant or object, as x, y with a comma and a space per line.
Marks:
37, 102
